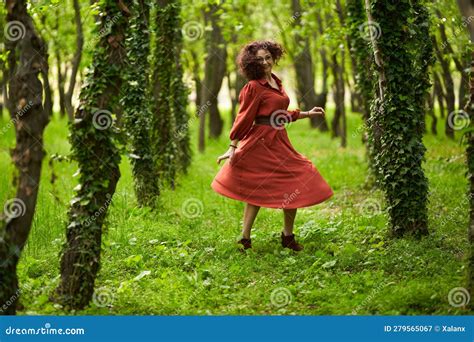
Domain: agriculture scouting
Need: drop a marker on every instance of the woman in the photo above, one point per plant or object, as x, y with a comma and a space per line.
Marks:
264, 170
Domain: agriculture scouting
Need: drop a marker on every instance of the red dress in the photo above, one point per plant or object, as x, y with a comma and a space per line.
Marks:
266, 170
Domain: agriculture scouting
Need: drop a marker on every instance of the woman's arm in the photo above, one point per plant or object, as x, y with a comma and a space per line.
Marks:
234, 142
303, 115
313, 112
249, 100
230, 152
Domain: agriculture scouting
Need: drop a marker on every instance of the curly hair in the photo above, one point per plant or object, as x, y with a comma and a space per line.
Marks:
249, 66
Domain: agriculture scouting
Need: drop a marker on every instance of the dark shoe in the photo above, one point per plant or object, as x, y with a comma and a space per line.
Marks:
247, 243
290, 242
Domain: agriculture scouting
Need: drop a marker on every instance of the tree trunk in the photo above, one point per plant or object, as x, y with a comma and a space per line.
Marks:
3, 71
464, 84
59, 71
449, 88
27, 58
355, 97
339, 120
214, 70
399, 153
5, 91
467, 10
76, 60
200, 112
236, 87
180, 98
469, 108
2, 89
93, 141
48, 96
439, 93
431, 112
463, 68
303, 64
168, 116
62, 106
136, 105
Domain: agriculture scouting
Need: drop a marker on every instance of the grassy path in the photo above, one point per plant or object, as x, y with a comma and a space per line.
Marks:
182, 258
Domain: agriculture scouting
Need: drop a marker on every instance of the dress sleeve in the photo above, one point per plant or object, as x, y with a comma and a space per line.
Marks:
294, 114
249, 100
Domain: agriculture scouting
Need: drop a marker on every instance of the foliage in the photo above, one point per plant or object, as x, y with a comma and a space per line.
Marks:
364, 71
93, 140
400, 151
170, 134
196, 269
164, 262
136, 104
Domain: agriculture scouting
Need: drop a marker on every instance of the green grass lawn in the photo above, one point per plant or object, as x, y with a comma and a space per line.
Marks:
183, 259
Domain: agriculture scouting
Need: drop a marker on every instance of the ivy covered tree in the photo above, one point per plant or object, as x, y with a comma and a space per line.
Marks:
423, 59
469, 108
27, 57
466, 7
94, 138
179, 94
136, 104
170, 134
3, 64
397, 115
364, 74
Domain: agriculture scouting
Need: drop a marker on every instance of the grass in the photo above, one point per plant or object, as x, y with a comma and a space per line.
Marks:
182, 258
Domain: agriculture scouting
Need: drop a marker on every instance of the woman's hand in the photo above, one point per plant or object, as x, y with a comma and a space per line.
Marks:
317, 111
229, 154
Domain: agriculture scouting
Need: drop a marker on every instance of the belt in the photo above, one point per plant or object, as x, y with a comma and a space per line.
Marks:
267, 120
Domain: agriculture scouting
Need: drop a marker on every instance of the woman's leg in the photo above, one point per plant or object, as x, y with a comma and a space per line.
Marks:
250, 212
290, 215
287, 237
